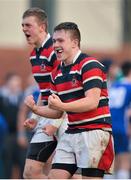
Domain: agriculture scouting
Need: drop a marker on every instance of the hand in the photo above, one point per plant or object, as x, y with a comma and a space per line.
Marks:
30, 124
49, 129
29, 101
54, 102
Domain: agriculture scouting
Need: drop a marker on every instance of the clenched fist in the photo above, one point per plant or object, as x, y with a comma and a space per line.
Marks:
30, 102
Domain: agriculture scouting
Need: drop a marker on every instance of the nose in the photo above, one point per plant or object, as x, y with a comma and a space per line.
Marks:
23, 27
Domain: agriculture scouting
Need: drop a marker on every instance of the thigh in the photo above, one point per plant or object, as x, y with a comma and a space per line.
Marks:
64, 159
96, 150
41, 151
33, 166
59, 174
64, 151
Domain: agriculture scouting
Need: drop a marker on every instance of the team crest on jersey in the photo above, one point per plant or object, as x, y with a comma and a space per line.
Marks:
74, 81
42, 66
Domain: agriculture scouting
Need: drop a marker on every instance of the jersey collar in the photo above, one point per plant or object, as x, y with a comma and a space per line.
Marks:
46, 39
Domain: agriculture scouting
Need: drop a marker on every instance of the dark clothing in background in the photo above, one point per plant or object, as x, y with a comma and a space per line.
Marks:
13, 154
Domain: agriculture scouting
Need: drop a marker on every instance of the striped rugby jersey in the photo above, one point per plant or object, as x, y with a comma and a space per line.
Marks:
71, 82
43, 61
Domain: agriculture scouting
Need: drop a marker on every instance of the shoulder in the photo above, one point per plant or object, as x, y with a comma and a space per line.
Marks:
89, 62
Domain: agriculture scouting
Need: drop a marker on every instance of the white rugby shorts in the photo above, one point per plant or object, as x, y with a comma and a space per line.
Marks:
88, 149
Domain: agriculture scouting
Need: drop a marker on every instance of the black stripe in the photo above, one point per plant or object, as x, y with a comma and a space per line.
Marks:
92, 65
45, 103
104, 85
46, 93
103, 102
48, 43
44, 61
106, 120
42, 79
92, 84
67, 78
81, 57
72, 95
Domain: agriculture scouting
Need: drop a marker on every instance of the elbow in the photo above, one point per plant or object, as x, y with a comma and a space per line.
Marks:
94, 106
59, 115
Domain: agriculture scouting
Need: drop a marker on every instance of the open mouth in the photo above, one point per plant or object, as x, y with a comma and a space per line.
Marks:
27, 36
59, 50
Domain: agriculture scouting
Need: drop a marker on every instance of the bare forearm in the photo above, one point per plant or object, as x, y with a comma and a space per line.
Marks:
82, 105
47, 112
88, 103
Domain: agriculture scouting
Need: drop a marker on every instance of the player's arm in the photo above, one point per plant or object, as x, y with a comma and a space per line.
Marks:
31, 122
42, 110
21, 134
88, 103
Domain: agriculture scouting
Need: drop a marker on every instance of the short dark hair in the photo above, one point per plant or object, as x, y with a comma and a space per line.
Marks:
126, 67
72, 27
39, 13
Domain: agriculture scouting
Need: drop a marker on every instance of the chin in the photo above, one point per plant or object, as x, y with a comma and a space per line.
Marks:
30, 43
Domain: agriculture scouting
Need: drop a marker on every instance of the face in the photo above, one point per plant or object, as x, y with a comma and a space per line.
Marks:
113, 71
32, 30
64, 45
15, 84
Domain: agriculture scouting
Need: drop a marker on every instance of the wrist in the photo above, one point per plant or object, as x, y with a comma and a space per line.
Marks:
63, 107
34, 108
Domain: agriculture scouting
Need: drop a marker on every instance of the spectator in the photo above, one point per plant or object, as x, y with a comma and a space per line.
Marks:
120, 100
3, 131
10, 100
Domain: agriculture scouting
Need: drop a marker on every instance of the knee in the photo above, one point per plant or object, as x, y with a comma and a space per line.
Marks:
27, 174
59, 174
31, 173
52, 174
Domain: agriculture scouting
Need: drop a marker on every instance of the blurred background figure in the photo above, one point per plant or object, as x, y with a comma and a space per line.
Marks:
113, 69
10, 99
24, 136
120, 100
3, 131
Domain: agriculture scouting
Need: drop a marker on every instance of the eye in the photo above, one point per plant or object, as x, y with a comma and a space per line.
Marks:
54, 40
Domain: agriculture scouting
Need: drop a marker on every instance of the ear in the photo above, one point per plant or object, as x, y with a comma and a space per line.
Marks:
75, 43
42, 27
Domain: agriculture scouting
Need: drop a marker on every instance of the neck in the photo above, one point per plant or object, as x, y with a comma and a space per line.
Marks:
42, 38
70, 58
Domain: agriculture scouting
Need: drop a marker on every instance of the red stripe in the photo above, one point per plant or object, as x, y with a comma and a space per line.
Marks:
90, 114
107, 157
37, 69
91, 73
47, 52
44, 85
94, 126
68, 86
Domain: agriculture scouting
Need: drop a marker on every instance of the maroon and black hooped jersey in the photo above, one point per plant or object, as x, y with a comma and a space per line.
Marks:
43, 61
72, 81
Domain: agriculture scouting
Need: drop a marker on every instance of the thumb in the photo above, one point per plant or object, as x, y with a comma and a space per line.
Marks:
54, 96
